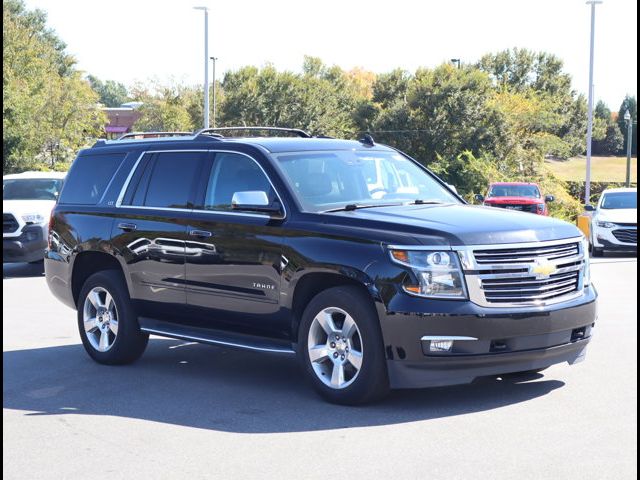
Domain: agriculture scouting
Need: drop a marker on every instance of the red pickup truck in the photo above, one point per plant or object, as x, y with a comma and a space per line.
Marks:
521, 196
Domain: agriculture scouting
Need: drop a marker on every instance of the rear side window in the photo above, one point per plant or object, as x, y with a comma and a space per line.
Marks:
89, 177
169, 180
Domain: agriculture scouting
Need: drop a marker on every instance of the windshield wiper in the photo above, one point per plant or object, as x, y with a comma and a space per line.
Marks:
354, 206
425, 202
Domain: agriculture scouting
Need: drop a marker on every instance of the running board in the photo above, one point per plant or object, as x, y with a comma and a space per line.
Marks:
214, 337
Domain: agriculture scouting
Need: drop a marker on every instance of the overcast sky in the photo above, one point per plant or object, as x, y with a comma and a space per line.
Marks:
141, 39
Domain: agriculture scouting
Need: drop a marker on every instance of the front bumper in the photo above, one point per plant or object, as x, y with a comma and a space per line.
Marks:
506, 342
28, 247
605, 239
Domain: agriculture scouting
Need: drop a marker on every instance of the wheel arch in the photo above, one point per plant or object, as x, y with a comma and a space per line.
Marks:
307, 286
87, 263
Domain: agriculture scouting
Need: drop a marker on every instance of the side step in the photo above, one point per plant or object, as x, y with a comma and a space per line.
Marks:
214, 337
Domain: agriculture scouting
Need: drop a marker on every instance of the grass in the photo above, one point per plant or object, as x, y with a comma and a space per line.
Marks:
603, 169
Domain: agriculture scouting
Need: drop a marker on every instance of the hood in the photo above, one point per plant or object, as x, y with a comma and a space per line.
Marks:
461, 224
621, 215
21, 207
514, 200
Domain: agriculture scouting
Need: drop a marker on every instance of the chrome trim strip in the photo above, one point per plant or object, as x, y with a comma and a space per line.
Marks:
214, 212
429, 338
217, 342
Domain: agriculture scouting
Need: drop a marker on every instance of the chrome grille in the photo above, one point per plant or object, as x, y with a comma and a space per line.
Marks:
531, 274
626, 235
9, 223
526, 255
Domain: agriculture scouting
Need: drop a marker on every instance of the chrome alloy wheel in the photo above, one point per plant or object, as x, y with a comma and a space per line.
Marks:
100, 317
335, 347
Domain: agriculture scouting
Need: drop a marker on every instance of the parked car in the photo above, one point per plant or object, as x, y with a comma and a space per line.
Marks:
301, 257
27, 200
614, 223
520, 196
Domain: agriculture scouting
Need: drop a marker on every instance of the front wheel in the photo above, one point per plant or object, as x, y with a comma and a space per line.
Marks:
341, 348
107, 321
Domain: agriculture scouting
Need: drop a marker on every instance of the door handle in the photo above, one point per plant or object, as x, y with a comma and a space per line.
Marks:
200, 233
127, 227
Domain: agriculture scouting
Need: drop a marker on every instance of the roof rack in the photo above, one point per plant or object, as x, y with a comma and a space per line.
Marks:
297, 131
135, 135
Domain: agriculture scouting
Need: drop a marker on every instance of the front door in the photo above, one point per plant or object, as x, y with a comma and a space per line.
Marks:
233, 259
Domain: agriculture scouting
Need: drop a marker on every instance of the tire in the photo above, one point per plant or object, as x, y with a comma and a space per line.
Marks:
116, 319
356, 386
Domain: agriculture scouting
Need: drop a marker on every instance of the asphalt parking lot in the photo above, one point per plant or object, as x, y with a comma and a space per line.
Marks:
194, 411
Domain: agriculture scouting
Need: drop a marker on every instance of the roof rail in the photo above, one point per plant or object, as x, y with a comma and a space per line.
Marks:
153, 135
297, 131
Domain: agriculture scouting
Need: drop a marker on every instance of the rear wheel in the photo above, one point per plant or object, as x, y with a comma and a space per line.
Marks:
107, 321
340, 346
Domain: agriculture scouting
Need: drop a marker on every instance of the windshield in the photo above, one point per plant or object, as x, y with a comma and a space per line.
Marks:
332, 180
31, 188
514, 191
617, 200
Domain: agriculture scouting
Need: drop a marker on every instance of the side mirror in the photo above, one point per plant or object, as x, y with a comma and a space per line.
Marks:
254, 201
479, 198
549, 198
589, 208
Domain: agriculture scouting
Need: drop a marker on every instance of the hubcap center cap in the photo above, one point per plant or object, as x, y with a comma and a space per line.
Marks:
341, 346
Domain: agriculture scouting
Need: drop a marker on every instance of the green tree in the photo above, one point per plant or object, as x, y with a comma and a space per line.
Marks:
48, 110
111, 93
165, 107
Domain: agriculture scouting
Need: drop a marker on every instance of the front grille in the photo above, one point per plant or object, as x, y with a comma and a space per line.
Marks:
538, 274
526, 255
9, 223
533, 208
528, 289
626, 235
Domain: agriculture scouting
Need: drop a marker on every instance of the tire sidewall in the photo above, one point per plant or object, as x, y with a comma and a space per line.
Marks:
372, 380
128, 328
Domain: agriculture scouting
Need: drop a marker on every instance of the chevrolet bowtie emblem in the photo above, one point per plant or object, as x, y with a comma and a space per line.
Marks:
543, 269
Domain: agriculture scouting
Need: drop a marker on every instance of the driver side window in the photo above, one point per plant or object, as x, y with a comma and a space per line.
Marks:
233, 173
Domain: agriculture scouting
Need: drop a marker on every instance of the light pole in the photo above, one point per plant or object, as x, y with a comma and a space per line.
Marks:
456, 60
587, 184
627, 118
206, 64
213, 59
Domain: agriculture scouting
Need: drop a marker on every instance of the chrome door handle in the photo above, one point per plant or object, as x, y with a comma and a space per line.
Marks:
200, 233
127, 227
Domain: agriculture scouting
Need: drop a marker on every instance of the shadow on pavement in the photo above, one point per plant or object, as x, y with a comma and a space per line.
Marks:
22, 270
210, 388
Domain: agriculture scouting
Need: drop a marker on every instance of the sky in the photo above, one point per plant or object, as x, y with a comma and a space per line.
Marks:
138, 40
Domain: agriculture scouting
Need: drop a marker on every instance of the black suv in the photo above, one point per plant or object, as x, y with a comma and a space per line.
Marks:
349, 254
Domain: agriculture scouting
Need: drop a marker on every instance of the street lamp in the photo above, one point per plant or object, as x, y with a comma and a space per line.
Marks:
627, 119
213, 59
456, 60
206, 64
587, 185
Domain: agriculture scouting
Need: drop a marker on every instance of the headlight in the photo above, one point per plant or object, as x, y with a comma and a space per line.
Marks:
438, 273
587, 265
606, 224
31, 218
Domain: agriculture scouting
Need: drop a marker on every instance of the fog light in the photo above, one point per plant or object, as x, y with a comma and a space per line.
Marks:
440, 345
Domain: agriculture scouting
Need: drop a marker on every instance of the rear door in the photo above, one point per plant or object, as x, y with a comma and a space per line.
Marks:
150, 230
233, 259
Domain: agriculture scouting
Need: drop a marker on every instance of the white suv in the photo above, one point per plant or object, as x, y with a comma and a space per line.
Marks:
27, 200
614, 224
